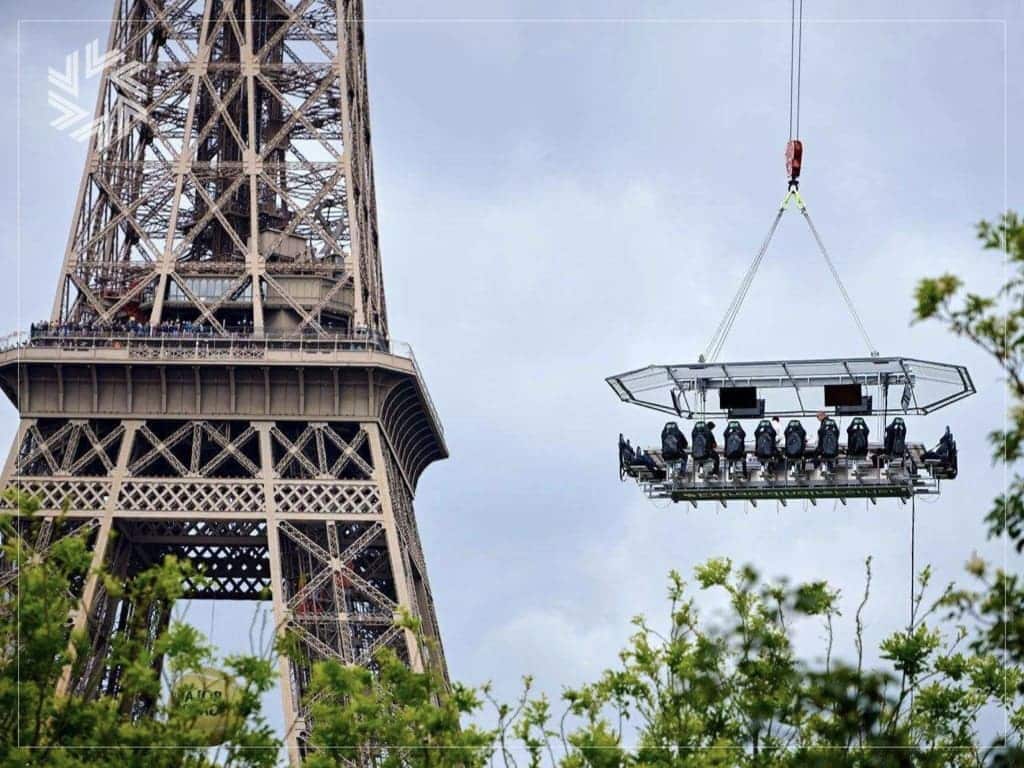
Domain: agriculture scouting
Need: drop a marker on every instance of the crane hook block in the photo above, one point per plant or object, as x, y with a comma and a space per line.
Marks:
794, 157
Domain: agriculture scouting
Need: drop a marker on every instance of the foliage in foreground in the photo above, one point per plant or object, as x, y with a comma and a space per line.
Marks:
138, 726
727, 692
730, 692
995, 324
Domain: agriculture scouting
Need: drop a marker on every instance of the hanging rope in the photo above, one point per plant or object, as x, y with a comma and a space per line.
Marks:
796, 44
792, 61
799, 65
717, 340
913, 577
839, 282
913, 548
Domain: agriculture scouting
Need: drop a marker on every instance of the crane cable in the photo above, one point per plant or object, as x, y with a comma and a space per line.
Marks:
913, 578
839, 282
796, 35
714, 346
794, 156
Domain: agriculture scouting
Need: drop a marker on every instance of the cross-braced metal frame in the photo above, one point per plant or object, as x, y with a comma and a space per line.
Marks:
228, 194
230, 179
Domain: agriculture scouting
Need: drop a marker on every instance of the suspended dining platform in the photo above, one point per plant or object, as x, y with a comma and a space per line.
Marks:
784, 461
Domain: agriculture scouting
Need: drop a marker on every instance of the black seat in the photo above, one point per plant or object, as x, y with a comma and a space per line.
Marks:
703, 445
828, 442
794, 441
857, 438
764, 442
895, 443
673, 443
735, 441
735, 445
703, 442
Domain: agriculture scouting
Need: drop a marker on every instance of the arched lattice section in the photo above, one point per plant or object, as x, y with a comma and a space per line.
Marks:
407, 422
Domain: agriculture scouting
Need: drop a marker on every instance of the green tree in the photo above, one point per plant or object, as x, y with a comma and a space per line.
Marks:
995, 324
725, 692
393, 716
138, 726
733, 692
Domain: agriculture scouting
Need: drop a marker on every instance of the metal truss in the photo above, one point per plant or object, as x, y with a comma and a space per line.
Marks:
232, 142
35, 539
264, 427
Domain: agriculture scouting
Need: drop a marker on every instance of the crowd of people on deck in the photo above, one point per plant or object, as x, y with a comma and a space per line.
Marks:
54, 333
129, 327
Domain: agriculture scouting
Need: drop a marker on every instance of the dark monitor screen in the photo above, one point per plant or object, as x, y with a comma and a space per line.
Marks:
837, 395
733, 398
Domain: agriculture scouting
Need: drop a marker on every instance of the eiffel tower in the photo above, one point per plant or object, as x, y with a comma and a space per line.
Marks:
217, 380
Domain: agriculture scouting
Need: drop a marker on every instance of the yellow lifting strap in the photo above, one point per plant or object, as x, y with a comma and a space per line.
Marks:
793, 195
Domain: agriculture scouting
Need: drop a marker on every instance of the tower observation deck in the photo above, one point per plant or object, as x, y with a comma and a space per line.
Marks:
217, 380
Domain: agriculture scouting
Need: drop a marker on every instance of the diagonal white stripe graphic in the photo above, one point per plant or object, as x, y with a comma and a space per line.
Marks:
85, 132
67, 80
95, 62
70, 112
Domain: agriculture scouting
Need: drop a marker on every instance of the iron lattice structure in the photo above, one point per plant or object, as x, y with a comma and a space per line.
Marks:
231, 178
217, 381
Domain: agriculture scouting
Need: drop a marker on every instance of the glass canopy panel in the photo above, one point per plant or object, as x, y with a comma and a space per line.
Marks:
796, 387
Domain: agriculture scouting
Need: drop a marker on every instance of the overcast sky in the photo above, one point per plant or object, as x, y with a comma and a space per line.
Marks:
573, 189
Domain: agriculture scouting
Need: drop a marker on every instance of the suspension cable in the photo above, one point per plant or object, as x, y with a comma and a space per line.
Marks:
796, 44
913, 577
913, 547
792, 60
732, 311
799, 64
839, 282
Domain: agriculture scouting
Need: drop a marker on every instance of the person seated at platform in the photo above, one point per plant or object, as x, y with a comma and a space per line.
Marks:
794, 444
895, 443
828, 444
766, 443
735, 446
857, 438
674, 445
943, 457
705, 449
650, 464
627, 457
634, 461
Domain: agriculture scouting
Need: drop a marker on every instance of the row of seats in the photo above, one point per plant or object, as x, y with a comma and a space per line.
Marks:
793, 448
674, 446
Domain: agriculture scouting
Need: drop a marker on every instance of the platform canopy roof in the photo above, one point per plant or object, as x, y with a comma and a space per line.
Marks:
897, 385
